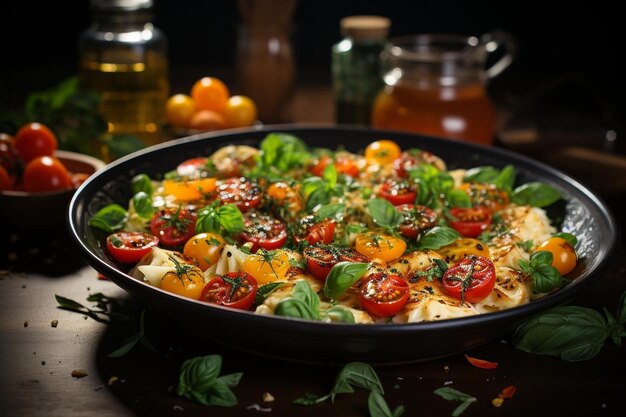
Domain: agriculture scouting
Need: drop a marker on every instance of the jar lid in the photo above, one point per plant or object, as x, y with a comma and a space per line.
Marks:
365, 27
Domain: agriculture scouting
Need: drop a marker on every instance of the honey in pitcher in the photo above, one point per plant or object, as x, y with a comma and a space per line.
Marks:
461, 112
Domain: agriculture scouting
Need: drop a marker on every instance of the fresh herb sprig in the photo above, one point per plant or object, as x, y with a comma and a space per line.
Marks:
218, 218
545, 277
451, 394
109, 218
102, 313
304, 303
199, 381
572, 333
132, 341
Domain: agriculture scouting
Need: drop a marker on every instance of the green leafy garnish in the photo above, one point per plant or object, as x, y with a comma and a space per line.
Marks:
132, 341
570, 238
536, 194
342, 276
503, 179
199, 382
281, 152
451, 394
142, 203
217, 218
545, 277
377, 406
304, 304
141, 182
265, 290
110, 218
384, 213
437, 237
102, 313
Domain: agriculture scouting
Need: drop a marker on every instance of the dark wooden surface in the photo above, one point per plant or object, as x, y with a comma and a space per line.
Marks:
37, 359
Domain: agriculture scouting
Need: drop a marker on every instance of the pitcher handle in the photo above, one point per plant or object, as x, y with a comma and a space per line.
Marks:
494, 41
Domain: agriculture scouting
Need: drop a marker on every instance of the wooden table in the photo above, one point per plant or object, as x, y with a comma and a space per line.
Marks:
37, 359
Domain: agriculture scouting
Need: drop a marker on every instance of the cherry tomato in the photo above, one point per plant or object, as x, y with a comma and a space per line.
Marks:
189, 190
234, 290
343, 165
380, 246
179, 109
470, 222
486, 195
416, 220
471, 279
397, 192
564, 256
207, 120
321, 258
284, 199
263, 231
384, 295
204, 249
240, 192
9, 158
35, 139
130, 247
192, 168
266, 266
321, 232
5, 180
210, 93
240, 111
463, 248
382, 152
173, 227
186, 280
46, 173
413, 158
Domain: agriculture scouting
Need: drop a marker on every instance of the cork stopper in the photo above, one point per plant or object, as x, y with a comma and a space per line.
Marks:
365, 27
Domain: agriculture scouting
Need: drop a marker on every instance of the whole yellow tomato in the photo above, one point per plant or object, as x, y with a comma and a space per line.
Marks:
385, 247
179, 109
204, 249
240, 111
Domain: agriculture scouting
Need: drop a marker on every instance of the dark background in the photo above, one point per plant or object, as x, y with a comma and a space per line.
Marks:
575, 45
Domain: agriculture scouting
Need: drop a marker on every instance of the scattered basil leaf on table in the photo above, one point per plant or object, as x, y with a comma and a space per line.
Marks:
451, 394
110, 218
199, 382
378, 407
103, 308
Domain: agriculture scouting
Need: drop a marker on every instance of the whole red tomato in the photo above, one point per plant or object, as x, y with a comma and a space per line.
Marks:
33, 140
9, 159
46, 173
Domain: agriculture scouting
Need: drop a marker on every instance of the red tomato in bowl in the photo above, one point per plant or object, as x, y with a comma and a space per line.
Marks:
46, 173
472, 279
130, 247
234, 290
417, 218
173, 227
398, 192
384, 295
470, 222
240, 192
321, 232
320, 259
263, 231
33, 140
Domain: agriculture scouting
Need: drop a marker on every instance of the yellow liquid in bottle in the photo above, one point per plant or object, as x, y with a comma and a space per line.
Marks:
132, 94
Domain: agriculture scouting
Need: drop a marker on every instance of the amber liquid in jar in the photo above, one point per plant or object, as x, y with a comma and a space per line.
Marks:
460, 112
132, 94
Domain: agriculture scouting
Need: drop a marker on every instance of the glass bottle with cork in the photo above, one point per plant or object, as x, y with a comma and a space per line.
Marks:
123, 57
356, 67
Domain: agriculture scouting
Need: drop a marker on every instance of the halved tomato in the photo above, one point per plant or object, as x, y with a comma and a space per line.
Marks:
398, 192
263, 231
384, 295
471, 279
130, 247
470, 222
234, 290
244, 194
173, 227
417, 218
320, 258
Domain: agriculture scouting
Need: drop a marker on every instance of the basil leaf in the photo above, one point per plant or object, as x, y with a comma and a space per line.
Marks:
535, 194
302, 291
292, 307
570, 238
541, 257
437, 237
330, 176
570, 332
461, 408
219, 394
282, 152
198, 381
340, 314
614, 328
232, 380
505, 179
331, 211
142, 203
546, 278
110, 218
128, 345
458, 198
356, 374
343, 276
311, 184
311, 399
142, 182
318, 197
68, 303
451, 394
264, 290
483, 174
377, 406
230, 218
384, 213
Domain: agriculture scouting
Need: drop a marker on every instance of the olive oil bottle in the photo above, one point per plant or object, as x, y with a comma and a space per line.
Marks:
123, 57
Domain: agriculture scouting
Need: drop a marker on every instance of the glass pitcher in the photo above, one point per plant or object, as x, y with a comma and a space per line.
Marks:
435, 84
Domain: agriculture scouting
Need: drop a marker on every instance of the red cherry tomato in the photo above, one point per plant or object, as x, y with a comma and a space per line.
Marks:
9, 159
384, 295
472, 279
46, 173
416, 220
173, 227
470, 222
320, 259
5, 180
404, 164
342, 165
398, 192
234, 290
322, 232
240, 192
263, 231
130, 247
35, 139
192, 168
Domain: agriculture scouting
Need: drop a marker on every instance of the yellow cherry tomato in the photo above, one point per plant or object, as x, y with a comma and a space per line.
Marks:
463, 248
179, 109
285, 196
382, 152
485, 195
186, 280
189, 190
204, 249
240, 111
385, 247
564, 256
210, 93
267, 267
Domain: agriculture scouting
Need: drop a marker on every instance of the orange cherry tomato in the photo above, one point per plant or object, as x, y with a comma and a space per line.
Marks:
380, 246
189, 190
179, 109
267, 266
46, 173
210, 93
207, 120
33, 140
186, 280
564, 256
382, 152
240, 111
204, 249
486, 195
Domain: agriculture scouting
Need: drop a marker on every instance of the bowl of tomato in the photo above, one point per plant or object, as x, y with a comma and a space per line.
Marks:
581, 213
37, 180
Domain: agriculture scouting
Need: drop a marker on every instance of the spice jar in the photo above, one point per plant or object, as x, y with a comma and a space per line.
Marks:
356, 67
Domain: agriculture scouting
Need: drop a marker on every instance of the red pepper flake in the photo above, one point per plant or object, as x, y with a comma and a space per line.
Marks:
102, 277
481, 363
508, 392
